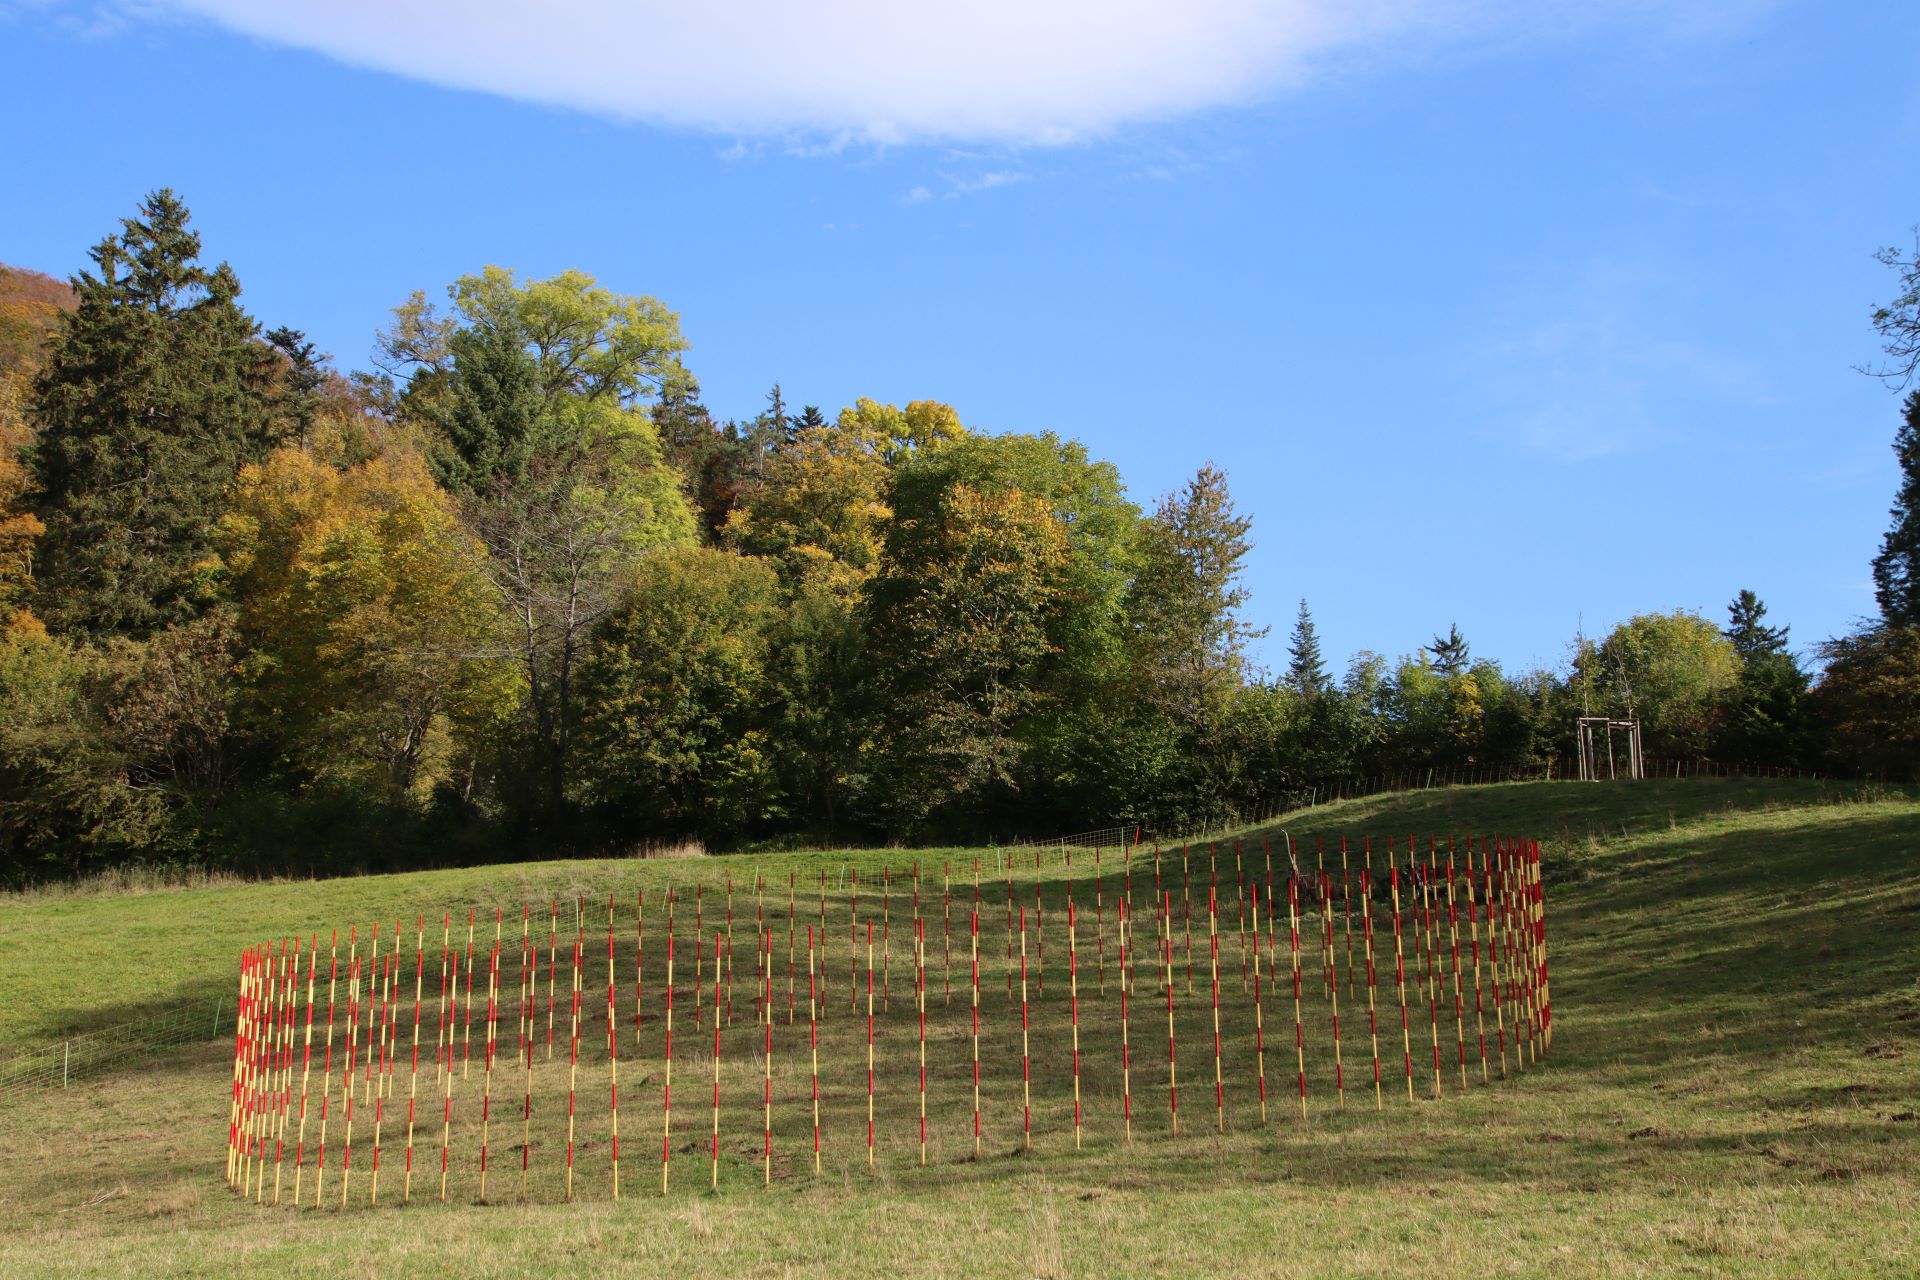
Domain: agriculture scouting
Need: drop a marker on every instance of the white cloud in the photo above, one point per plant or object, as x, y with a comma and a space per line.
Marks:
1021, 71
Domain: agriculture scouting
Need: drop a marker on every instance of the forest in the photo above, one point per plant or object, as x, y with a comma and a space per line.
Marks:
515, 590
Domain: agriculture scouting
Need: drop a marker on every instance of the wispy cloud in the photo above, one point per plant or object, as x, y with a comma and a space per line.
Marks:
882, 71
1603, 373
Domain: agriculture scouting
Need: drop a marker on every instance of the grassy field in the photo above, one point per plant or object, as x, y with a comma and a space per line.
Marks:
1732, 1091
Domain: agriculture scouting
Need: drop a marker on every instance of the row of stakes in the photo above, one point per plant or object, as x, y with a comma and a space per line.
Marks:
273, 1107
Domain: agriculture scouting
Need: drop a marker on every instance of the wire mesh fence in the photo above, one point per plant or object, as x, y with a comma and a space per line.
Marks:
58, 1064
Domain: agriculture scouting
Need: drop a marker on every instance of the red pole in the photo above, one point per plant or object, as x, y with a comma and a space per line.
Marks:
1299, 1032
869, 1044
1173, 1090
813, 1048
1373, 1017
1400, 968
1126, 1048
1026, 1062
1073, 997
973, 936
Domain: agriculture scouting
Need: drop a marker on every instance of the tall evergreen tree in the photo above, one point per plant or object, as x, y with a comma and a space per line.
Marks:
1306, 669
1896, 570
1752, 638
155, 394
1450, 653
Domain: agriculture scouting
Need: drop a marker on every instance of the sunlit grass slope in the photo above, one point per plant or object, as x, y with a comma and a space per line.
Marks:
1732, 1091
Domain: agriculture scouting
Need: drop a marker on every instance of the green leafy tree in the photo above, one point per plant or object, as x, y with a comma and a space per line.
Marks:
1869, 698
536, 394
964, 600
674, 699
1675, 671
157, 392
1896, 569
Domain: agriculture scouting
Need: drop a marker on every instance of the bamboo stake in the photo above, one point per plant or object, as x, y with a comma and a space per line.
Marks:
813, 1048
869, 1044
1213, 966
573, 1050
1299, 1032
766, 978
529, 992
1126, 1046
790, 948
666, 1092
446, 1074
1026, 1059
553, 972
920, 989
640, 964
714, 1178
886, 939
1073, 1006
1173, 1090
466, 1035
1039, 931
973, 943
613, 1057
946, 933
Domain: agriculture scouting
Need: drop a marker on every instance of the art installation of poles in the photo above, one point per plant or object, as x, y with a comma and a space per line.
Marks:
281, 1024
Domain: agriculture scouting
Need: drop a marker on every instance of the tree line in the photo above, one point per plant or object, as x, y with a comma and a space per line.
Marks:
515, 589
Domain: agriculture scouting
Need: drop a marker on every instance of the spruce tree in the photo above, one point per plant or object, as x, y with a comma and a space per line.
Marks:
1306, 670
1896, 570
1752, 638
1450, 652
155, 394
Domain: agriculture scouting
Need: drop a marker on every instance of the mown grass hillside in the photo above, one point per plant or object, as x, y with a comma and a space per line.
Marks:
1732, 1092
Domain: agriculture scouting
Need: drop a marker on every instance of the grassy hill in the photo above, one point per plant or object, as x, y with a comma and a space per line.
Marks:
1732, 1091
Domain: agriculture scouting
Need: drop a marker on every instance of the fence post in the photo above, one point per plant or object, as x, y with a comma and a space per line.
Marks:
66, 1062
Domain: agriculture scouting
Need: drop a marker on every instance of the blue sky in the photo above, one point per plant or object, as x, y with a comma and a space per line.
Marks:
1495, 315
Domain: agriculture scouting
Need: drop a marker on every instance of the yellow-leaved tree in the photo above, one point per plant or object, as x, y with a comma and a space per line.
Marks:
375, 650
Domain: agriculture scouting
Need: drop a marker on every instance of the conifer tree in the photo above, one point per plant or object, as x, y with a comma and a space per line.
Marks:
1450, 653
1896, 570
1752, 638
1306, 670
155, 394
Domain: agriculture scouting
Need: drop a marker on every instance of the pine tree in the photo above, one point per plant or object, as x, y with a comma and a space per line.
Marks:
156, 392
1306, 670
1752, 638
1896, 570
1450, 653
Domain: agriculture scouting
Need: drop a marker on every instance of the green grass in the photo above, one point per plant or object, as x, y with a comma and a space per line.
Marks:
1732, 1089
